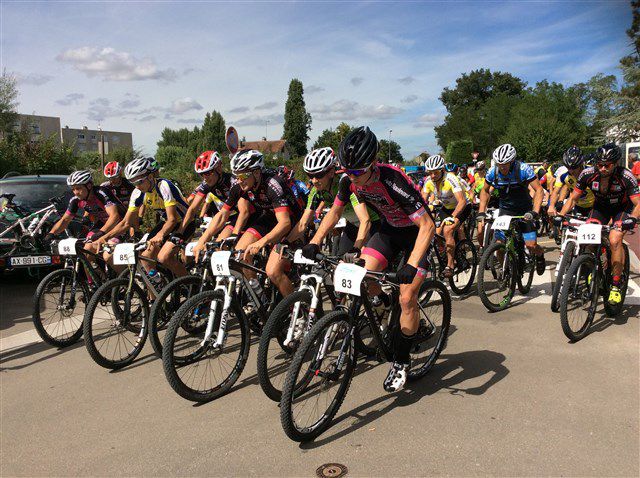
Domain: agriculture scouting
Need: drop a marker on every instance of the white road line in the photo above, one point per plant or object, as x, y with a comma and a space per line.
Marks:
19, 340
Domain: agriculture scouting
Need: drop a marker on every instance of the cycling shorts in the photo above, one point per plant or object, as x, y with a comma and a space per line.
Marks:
602, 215
526, 228
464, 214
261, 224
385, 244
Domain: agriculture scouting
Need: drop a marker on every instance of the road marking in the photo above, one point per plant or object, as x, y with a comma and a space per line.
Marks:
19, 340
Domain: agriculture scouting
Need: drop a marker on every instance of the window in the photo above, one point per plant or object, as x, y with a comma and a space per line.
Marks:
93, 137
35, 128
115, 139
81, 136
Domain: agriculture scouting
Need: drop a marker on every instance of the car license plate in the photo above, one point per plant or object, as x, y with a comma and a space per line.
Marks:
30, 261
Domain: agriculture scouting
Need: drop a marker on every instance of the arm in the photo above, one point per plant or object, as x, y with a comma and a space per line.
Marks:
114, 218
570, 202
328, 223
173, 219
554, 199
62, 224
244, 212
538, 194
191, 212
485, 195
425, 235
462, 202
215, 226
278, 232
365, 224
297, 232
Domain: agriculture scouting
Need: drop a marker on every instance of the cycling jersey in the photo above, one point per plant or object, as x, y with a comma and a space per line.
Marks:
122, 192
448, 186
586, 199
163, 195
513, 188
316, 197
391, 193
272, 195
622, 186
220, 191
95, 205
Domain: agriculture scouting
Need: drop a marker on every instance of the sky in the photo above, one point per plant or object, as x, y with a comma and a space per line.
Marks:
142, 66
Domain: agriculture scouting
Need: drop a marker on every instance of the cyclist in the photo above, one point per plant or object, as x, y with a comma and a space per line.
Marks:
273, 200
616, 199
120, 187
214, 181
512, 179
448, 190
101, 207
320, 166
158, 194
573, 164
299, 188
407, 226
480, 175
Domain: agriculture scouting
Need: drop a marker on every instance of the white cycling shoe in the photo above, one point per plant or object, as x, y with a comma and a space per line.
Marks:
397, 377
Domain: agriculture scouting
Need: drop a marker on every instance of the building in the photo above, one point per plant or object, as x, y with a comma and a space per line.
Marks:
277, 147
40, 127
86, 139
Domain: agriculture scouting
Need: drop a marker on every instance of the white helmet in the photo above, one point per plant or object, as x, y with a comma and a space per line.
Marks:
138, 167
503, 154
433, 163
319, 160
247, 160
78, 178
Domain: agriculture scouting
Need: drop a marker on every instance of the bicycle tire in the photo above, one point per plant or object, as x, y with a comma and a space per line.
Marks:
13, 234
525, 287
563, 266
568, 287
105, 295
171, 364
291, 390
461, 257
614, 310
278, 322
159, 316
66, 339
436, 287
506, 300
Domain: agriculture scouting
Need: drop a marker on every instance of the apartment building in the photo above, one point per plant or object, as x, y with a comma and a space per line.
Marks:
85, 139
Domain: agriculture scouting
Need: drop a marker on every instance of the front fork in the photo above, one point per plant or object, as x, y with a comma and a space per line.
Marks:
227, 289
296, 319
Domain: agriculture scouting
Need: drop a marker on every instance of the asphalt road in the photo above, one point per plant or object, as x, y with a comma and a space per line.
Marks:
509, 396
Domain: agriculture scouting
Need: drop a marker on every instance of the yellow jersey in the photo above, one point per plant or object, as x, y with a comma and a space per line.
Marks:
449, 185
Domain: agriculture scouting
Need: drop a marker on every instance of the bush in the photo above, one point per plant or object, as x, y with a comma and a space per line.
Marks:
460, 152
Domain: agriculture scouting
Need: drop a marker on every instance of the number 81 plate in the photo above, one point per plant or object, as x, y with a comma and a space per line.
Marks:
348, 277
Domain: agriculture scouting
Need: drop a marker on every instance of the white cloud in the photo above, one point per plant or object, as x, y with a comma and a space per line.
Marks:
357, 81
112, 65
407, 80
266, 106
70, 99
147, 118
128, 104
240, 109
376, 48
258, 120
182, 105
190, 120
35, 79
351, 110
409, 99
311, 89
428, 120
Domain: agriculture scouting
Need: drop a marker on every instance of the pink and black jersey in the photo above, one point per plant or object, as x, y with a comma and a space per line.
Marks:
621, 188
221, 189
95, 205
122, 192
391, 194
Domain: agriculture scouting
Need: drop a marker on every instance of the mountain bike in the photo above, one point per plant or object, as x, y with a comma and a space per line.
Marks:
505, 265
206, 344
569, 250
588, 278
322, 367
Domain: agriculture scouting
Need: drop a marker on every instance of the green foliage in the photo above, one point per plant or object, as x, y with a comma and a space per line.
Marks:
182, 138
48, 156
459, 152
297, 122
213, 133
176, 163
383, 153
333, 137
630, 62
8, 102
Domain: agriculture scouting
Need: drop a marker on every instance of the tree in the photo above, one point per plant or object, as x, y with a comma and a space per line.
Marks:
176, 162
47, 156
383, 153
213, 132
297, 122
632, 61
8, 102
182, 138
332, 138
459, 152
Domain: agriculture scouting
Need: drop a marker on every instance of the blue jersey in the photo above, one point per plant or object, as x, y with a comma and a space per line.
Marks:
513, 188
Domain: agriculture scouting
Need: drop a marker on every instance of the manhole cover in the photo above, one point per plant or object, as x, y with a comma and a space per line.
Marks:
331, 470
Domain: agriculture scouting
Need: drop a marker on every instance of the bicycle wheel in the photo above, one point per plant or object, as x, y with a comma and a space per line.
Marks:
318, 378
274, 357
579, 297
464, 272
525, 278
170, 298
614, 310
115, 323
496, 277
563, 266
431, 338
57, 311
9, 242
196, 367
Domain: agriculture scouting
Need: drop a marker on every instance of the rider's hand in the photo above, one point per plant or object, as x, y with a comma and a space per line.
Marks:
557, 220
352, 255
531, 216
156, 240
252, 250
197, 249
552, 211
480, 217
406, 274
310, 251
628, 224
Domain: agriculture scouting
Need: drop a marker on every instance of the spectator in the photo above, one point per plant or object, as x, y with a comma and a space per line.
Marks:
634, 164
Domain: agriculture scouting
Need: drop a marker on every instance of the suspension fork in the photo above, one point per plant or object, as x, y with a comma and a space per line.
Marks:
295, 314
227, 289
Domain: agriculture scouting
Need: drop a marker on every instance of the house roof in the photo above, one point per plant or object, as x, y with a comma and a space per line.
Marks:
277, 146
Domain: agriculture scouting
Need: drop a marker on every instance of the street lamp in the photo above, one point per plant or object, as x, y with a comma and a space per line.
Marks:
390, 131
266, 126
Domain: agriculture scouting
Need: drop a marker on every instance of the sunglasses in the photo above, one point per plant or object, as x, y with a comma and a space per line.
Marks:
605, 165
318, 175
208, 173
243, 176
356, 172
139, 181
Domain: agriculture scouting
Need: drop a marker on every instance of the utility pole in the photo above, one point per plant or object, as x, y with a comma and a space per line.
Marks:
390, 131
102, 148
266, 126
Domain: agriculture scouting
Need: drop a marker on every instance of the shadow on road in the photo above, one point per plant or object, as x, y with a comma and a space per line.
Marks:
450, 373
32, 349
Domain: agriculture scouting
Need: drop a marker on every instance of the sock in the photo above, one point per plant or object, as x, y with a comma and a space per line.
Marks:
402, 347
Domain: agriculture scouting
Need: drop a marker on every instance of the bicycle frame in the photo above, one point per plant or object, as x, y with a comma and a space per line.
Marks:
48, 211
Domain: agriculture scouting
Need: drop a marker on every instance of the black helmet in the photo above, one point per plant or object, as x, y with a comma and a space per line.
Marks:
573, 158
608, 153
359, 149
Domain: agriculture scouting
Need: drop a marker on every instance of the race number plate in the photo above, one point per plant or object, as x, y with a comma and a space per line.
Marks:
348, 277
124, 254
501, 223
220, 263
67, 247
188, 250
589, 234
298, 258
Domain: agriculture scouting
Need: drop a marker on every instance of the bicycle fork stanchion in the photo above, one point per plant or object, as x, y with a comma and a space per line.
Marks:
296, 324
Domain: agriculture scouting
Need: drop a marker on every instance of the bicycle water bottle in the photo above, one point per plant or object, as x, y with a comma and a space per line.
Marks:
155, 278
33, 224
257, 288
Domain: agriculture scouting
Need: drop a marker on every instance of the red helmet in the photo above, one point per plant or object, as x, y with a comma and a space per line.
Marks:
207, 161
112, 169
